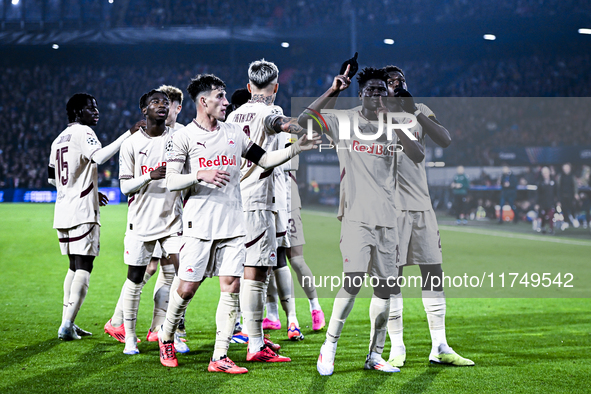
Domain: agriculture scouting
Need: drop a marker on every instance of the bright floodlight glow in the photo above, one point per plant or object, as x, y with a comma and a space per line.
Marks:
490, 37
110, 1
55, 46
388, 41
584, 31
15, 2
285, 44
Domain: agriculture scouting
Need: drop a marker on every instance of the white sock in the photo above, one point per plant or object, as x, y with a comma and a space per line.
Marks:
251, 301
67, 288
379, 309
272, 303
343, 303
77, 294
117, 318
434, 303
286, 296
174, 313
395, 326
302, 270
161, 295
131, 303
147, 277
225, 319
314, 304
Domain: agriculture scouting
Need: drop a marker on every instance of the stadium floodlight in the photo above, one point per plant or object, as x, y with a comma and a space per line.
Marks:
15, 2
110, 1
55, 46
584, 31
285, 44
490, 37
388, 41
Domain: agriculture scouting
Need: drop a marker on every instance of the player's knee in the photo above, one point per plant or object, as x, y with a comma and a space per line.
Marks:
432, 277
136, 273
281, 260
384, 289
352, 282
83, 263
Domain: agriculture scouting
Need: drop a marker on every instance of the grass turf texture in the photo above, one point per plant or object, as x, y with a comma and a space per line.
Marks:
519, 345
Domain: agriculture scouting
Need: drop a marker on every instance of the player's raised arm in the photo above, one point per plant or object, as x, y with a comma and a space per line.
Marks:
339, 83
102, 155
270, 159
430, 124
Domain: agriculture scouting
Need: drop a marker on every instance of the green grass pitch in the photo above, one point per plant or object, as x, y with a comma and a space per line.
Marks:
536, 344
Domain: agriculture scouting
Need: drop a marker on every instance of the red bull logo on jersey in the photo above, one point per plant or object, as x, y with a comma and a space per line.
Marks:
190, 270
231, 142
146, 169
220, 160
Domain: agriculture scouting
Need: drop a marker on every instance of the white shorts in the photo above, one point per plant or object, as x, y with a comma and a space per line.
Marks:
82, 240
370, 249
201, 258
420, 242
295, 228
158, 253
139, 253
281, 222
260, 241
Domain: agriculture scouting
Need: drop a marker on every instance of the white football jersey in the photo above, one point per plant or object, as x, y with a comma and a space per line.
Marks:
153, 212
413, 191
210, 212
76, 176
368, 173
257, 184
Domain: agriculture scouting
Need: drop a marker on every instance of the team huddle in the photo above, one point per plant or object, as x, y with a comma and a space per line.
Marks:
218, 197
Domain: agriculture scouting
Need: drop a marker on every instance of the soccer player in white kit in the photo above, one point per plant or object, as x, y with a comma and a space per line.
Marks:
369, 236
261, 120
203, 161
115, 327
291, 236
154, 213
73, 161
420, 243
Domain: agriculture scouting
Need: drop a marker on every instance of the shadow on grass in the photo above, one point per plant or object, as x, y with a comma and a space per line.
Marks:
23, 353
422, 382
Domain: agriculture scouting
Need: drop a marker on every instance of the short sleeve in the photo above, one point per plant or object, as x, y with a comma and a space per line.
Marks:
126, 161
425, 110
89, 144
176, 151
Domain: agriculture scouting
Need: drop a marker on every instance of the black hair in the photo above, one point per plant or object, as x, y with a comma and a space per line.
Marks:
204, 83
145, 96
369, 73
240, 97
76, 103
391, 68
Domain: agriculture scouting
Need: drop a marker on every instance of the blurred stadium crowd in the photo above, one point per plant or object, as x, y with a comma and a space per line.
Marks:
32, 104
282, 13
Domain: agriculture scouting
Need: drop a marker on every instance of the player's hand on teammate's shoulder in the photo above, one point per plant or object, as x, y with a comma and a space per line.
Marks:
218, 178
308, 144
136, 127
342, 81
158, 173
103, 199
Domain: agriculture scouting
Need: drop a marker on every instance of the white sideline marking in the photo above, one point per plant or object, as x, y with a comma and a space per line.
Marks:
515, 235
471, 230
